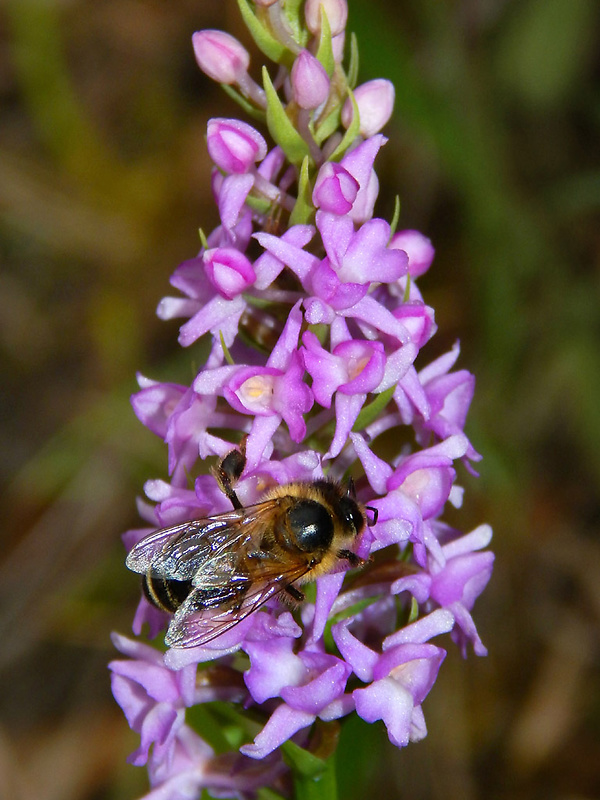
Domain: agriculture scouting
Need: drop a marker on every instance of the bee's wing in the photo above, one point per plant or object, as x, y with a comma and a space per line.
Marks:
143, 553
196, 624
181, 551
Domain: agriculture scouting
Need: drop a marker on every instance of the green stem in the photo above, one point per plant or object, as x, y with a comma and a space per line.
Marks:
321, 787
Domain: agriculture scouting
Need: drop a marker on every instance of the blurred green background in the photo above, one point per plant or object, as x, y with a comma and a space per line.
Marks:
104, 181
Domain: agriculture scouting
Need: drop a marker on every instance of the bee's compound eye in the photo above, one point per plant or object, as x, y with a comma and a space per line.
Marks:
352, 514
311, 524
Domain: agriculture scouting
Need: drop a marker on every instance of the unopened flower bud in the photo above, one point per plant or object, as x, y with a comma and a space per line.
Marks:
375, 100
338, 44
335, 189
220, 55
234, 145
310, 82
336, 11
418, 319
229, 271
417, 247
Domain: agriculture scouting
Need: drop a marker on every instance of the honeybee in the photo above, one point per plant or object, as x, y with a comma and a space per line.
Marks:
213, 572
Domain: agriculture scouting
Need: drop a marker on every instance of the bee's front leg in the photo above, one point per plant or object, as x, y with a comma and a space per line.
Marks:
229, 472
294, 594
351, 558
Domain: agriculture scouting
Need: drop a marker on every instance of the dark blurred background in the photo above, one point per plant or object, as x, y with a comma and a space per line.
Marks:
494, 150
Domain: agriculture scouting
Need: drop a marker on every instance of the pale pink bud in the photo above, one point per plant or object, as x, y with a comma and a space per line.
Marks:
229, 271
234, 145
337, 45
417, 247
310, 82
265, 3
418, 319
375, 100
220, 55
336, 11
335, 189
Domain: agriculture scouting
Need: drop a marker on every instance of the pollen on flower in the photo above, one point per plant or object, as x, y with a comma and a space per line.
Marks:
356, 367
401, 671
256, 393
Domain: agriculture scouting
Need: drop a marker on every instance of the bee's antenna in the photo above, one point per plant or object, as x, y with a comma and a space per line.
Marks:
375, 512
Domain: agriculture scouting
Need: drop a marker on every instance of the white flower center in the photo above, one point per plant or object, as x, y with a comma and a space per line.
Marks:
256, 393
416, 483
356, 367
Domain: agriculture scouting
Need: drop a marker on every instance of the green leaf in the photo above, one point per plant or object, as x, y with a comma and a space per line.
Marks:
414, 611
280, 126
371, 411
301, 761
294, 11
325, 49
309, 590
259, 204
314, 778
201, 720
259, 302
350, 134
355, 608
406, 554
244, 103
303, 210
353, 65
330, 124
265, 793
226, 352
263, 37
352, 610
320, 330
396, 217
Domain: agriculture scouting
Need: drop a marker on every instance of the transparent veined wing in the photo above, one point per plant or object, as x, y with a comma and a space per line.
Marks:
180, 551
201, 618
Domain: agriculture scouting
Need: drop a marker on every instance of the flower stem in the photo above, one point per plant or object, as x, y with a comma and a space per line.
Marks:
320, 787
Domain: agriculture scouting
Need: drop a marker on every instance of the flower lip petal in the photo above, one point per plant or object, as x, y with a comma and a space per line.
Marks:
389, 701
322, 690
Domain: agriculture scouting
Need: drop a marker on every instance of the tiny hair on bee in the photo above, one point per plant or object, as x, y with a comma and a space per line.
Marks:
212, 572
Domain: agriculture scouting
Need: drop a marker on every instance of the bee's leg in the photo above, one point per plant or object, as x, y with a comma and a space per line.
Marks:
229, 471
294, 593
350, 557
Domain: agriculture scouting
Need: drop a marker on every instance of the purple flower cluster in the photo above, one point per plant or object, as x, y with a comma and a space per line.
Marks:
315, 323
